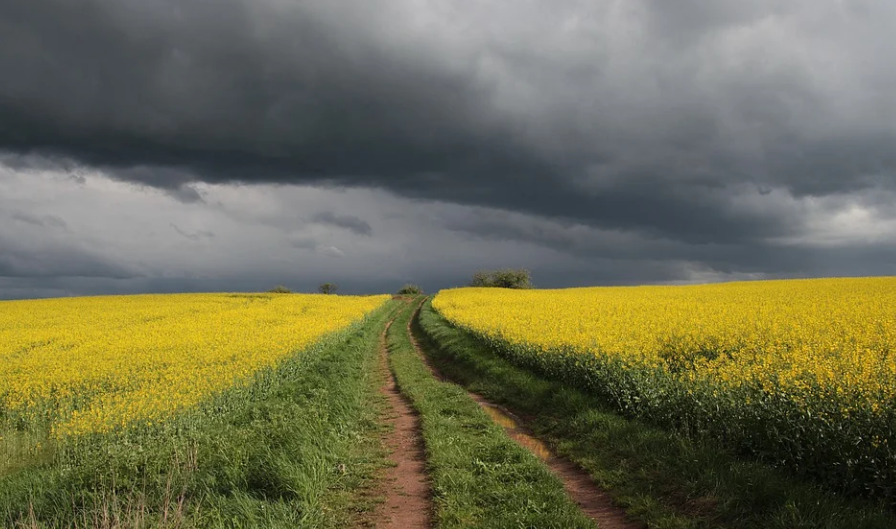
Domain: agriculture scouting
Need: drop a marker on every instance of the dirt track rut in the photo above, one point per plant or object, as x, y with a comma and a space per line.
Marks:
591, 499
407, 493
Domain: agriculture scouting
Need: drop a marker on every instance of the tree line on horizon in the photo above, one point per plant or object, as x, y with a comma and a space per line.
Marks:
516, 278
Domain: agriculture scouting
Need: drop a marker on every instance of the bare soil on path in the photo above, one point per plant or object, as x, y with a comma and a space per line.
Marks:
407, 493
591, 499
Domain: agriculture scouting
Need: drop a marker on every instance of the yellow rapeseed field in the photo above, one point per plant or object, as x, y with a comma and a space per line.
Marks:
797, 334
96, 364
800, 372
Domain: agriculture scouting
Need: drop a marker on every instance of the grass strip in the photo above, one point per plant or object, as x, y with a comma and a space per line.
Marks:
480, 477
298, 447
664, 478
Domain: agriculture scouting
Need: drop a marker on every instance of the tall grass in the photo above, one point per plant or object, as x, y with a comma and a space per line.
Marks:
799, 374
286, 450
480, 477
668, 478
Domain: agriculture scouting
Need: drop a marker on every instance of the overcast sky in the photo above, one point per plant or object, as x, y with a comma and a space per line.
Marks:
195, 145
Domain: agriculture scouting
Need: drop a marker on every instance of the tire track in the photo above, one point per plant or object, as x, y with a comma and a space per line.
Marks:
407, 493
591, 499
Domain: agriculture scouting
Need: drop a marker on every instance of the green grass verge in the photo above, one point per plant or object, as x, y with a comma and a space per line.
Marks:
664, 478
298, 447
479, 476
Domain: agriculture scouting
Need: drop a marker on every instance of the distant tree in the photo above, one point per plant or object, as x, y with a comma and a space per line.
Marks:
280, 289
327, 288
505, 278
512, 278
481, 279
410, 290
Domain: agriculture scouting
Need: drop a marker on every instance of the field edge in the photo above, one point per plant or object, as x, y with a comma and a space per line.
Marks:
661, 477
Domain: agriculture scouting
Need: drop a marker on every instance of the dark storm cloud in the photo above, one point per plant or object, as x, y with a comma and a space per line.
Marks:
17, 261
640, 117
234, 90
185, 193
619, 257
194, 236
307, 243
348, 222
44, 221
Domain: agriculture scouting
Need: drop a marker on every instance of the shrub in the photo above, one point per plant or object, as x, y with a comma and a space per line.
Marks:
327, 288
280, 289
504, 278
410, 290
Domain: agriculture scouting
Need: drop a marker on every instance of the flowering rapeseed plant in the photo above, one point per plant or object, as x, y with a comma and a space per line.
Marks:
91, 365
802, 372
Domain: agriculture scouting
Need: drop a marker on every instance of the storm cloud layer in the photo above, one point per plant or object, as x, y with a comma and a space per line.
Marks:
643, 140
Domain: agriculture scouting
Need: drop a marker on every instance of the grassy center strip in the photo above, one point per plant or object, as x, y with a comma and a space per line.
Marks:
299, 447
480, 477
664, 478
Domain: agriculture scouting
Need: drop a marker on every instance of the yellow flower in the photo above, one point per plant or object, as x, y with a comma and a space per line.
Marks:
792, 337
95, 364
